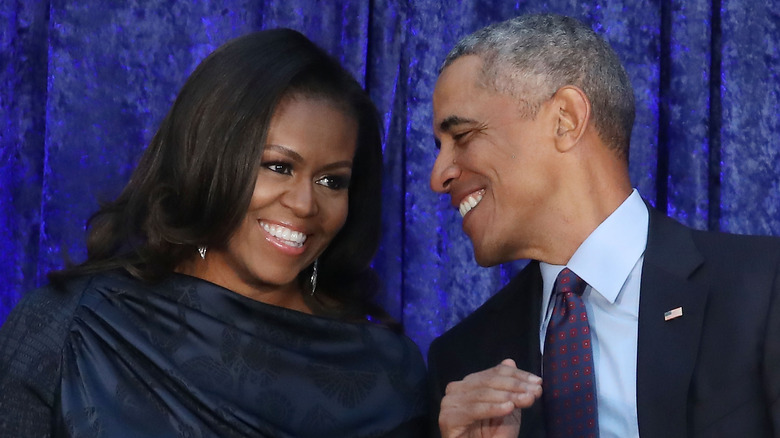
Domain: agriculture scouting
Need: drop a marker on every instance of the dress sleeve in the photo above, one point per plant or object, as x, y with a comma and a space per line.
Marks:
31, 341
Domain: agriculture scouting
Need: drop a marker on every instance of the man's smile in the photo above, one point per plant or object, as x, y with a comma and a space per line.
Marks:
470, 202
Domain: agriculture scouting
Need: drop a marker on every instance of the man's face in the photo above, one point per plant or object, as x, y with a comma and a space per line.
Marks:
497, 166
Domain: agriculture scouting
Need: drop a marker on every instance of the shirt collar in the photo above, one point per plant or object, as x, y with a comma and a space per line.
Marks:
605, 259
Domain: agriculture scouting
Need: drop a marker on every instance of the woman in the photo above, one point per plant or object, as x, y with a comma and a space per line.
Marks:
227, 289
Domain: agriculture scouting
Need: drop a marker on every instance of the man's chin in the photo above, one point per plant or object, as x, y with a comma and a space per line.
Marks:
487, 258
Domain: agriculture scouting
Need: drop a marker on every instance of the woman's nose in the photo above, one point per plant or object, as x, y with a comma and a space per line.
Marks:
301, 199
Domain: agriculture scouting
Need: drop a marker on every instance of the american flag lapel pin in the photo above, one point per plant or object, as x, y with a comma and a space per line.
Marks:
674, 313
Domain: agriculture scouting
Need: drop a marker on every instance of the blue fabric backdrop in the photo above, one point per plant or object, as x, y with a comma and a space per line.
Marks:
83, 85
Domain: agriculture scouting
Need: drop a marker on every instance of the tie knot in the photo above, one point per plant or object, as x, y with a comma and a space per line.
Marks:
568, 281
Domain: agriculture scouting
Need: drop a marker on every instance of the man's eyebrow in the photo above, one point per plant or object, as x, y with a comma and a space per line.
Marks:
452, 121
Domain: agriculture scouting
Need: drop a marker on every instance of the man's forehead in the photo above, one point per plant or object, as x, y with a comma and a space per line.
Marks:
465, 68
456, 87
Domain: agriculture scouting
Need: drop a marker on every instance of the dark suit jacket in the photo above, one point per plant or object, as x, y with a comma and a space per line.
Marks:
713, 372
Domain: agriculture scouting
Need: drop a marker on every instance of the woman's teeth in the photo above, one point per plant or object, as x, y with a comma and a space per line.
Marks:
288, 236
470, 203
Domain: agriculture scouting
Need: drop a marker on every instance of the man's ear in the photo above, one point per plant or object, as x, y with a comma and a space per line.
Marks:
573, 116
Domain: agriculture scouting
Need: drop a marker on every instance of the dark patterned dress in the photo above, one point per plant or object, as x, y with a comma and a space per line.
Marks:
114, 357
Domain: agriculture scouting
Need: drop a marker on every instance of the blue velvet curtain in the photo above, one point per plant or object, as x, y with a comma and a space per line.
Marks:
85, 83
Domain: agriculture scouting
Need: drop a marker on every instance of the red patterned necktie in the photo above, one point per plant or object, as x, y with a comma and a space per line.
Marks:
569, 384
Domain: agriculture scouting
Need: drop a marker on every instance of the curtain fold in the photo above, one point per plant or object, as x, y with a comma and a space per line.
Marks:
84, 84
23, 85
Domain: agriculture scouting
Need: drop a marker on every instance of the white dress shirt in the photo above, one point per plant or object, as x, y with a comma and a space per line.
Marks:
610, 261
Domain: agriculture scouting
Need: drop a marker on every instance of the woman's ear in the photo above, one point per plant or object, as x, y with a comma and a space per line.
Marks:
573, 116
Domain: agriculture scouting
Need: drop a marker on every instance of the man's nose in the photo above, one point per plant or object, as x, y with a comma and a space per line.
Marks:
445, 169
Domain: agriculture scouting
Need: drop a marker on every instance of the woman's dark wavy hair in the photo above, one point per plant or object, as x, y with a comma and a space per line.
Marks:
194, 182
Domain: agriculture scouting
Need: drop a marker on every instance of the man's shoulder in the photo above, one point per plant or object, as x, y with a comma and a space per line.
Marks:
728, 265
509, 302
667, 233
720, 241
738, 262
505, 326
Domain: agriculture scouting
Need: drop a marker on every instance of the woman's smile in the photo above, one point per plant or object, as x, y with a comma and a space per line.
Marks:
287, 239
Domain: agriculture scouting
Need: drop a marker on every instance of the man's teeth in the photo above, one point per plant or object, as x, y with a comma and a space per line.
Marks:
288, 236
469, 203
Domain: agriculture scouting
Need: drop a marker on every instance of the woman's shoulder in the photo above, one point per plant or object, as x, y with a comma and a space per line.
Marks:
54, 298
32, 339
42, 315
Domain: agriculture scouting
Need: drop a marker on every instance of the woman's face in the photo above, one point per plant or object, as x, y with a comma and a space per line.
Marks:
300, 202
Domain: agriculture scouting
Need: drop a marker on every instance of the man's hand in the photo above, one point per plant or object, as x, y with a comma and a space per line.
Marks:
487, 404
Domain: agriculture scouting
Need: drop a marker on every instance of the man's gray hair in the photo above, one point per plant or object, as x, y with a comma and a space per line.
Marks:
530, 57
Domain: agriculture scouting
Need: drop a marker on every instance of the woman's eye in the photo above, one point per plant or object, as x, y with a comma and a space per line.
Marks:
334, 182
283, 168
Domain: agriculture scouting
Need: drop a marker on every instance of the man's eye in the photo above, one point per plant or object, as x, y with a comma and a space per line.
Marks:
334, 182
283, 168
461, 135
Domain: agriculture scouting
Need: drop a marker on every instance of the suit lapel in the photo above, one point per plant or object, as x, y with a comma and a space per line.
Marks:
528, 321
531, 360
519, 338
667, 350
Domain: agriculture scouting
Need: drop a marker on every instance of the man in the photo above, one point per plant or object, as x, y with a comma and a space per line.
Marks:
681, 328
